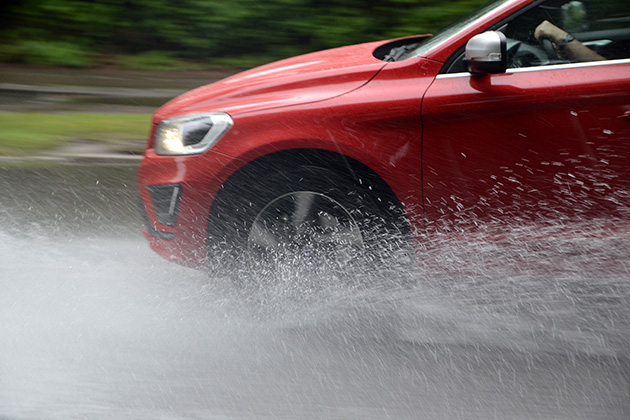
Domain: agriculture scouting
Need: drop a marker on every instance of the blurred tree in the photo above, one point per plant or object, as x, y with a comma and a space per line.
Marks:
82, 32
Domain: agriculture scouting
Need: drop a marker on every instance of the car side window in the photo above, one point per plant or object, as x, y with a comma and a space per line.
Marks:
561, 31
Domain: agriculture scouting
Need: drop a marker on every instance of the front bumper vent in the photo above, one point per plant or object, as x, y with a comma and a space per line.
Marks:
166, 199
150, 226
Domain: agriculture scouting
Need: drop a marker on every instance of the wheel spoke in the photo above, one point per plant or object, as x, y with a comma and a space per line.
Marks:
303, 207
263, 237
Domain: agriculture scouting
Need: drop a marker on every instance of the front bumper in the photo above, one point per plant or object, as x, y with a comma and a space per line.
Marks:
176, 195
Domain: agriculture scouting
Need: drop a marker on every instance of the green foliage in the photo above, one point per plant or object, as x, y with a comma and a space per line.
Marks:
151, 60
84, 32
54, 53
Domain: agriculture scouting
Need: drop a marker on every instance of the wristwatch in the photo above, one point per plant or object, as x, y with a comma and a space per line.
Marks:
567, 38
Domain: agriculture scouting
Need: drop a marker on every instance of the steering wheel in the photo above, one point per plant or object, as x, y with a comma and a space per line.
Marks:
552, 54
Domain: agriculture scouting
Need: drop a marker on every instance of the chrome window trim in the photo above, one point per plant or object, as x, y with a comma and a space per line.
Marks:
544, 68
428, 50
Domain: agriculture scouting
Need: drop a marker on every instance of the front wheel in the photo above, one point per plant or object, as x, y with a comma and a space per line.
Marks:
305, 223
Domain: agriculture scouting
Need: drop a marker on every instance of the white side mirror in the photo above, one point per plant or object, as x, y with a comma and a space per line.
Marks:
486, 53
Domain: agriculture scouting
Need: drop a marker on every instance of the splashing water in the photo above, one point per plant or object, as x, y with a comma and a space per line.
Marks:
535, 324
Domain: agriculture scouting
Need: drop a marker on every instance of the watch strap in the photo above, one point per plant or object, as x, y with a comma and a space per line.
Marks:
567, 38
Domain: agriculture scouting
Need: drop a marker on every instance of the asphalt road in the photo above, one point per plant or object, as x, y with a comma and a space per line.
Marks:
94, 325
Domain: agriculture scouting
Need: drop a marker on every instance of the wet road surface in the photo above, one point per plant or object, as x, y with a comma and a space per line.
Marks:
94, 325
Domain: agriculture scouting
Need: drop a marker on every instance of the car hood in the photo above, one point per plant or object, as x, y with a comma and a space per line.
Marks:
306, 78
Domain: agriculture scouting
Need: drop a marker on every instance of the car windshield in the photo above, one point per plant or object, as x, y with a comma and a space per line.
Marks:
452, 29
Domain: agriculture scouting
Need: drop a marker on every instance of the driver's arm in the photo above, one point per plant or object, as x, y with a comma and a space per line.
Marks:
574, 49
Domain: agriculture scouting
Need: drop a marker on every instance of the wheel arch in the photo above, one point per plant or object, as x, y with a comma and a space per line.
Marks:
288, 161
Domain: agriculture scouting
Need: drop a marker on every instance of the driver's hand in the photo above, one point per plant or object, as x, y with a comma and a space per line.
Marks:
547, 30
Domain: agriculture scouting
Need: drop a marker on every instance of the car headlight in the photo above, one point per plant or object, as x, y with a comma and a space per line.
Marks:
190, 134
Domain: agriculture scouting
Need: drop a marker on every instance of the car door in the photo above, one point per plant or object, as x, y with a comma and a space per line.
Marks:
540, 142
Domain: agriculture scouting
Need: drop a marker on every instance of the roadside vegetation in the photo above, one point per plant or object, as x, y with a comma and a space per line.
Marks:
26, 133
196, 34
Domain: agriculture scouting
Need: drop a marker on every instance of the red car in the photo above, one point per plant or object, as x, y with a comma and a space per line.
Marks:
518, 113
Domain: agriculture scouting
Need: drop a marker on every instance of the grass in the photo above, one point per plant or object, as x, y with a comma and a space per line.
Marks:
23, 133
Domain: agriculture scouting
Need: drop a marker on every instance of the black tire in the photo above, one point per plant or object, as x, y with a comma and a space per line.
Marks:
304, 221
